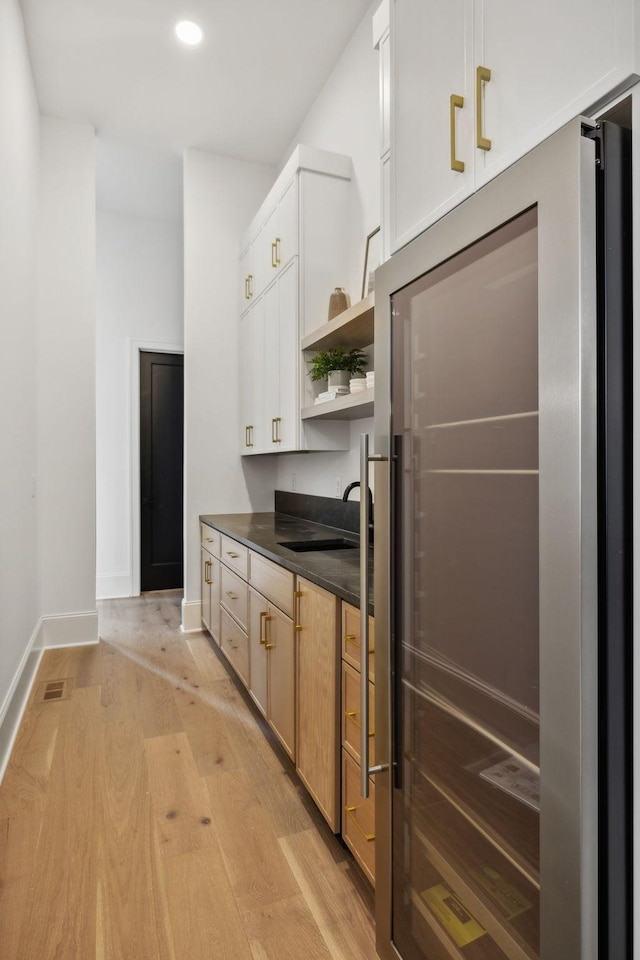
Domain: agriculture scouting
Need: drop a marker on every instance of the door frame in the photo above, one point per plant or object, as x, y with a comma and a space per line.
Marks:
136, 347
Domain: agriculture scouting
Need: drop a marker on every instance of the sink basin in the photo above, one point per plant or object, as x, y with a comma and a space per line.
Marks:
309, 546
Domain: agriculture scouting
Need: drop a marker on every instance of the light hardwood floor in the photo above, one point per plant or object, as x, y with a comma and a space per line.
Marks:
148, 816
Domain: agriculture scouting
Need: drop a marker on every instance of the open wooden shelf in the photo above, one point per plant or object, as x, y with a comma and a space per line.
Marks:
352, 406
352, 329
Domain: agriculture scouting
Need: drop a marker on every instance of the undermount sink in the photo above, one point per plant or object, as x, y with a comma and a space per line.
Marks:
308, 546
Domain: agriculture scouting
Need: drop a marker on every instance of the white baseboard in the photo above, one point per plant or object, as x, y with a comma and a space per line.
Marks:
110, 588
70, 629
191, 616
16, 699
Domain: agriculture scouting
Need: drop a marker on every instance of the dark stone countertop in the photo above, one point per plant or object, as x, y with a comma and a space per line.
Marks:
337, 571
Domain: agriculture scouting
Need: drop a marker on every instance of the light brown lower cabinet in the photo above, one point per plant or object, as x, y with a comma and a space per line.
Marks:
318, 698
272, 672
210, 593
358, 817
234, 643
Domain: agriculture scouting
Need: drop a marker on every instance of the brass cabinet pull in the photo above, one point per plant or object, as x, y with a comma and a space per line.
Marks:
351, 813
351, 715
250, 285
455, 102
269, 646
277, 250
230, 553
350, 636
263, 631
248, 442
207, 573
231, 595
297, 626
275, 430
246, 288
274, 262
230, 640
483, 75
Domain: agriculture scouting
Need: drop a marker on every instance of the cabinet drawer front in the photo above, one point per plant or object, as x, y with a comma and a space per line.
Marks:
358, 817
351, 714
234, 643
273, 582
234, 595
351, 638
210, 539
235, 555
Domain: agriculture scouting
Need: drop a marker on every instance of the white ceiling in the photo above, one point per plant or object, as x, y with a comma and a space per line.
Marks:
242, 93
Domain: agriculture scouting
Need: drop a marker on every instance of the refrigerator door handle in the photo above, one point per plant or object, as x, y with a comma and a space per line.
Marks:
366, 770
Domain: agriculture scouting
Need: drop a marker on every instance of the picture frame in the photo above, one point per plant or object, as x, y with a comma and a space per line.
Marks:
372, 260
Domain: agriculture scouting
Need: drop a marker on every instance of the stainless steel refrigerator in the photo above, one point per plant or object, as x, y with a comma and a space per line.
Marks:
502, 565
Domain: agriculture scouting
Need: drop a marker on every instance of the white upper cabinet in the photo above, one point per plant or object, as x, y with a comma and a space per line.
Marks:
550, 61
475, 84
432, 62
280, 233
297, 255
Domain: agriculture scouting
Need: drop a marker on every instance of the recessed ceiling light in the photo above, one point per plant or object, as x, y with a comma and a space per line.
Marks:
188, 32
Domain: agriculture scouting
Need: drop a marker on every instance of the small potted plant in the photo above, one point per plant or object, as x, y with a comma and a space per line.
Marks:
337, 365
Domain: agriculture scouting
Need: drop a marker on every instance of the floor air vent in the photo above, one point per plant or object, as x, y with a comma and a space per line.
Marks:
51, 690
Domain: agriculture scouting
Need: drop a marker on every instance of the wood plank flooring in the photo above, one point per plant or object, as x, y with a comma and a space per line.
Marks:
152, 815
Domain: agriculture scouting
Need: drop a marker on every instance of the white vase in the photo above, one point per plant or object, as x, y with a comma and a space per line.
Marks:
338, 378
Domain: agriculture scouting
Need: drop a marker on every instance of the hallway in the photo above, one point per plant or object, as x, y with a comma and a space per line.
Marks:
149, 814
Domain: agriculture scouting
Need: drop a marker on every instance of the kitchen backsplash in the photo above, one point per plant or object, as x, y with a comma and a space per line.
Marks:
326, 510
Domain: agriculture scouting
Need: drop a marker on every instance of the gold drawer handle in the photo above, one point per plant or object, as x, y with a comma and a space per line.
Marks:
351, 715
232, 596
483, 75
274, 262
269, 646
263, 631
277, 250
455, 102
351, 638
351, 813
231, 554
230, 640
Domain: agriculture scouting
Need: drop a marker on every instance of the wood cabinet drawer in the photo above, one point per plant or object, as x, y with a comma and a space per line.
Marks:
273, 582
210, 539
234, 595
235, 555
351, 714
351, 638
234, 643
358, 817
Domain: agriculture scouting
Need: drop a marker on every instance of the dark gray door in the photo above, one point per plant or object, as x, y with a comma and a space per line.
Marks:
161, 470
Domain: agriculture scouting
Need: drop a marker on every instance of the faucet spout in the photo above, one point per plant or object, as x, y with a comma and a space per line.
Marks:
345, 497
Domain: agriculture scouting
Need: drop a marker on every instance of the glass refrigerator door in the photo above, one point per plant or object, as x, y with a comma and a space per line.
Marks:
464, 386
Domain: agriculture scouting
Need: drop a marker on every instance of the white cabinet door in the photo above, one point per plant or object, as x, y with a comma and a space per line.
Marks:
287, 235
246, 280
280, 358
280, 232
432, 59
549, 61
289, 358
252, 337
271, 359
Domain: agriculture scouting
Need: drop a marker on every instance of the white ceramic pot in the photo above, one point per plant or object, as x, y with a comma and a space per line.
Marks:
338, 378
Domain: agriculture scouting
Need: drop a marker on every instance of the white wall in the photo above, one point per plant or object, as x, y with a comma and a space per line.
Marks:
345, 119
139, 299
65, 366
19, 173
220, 198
